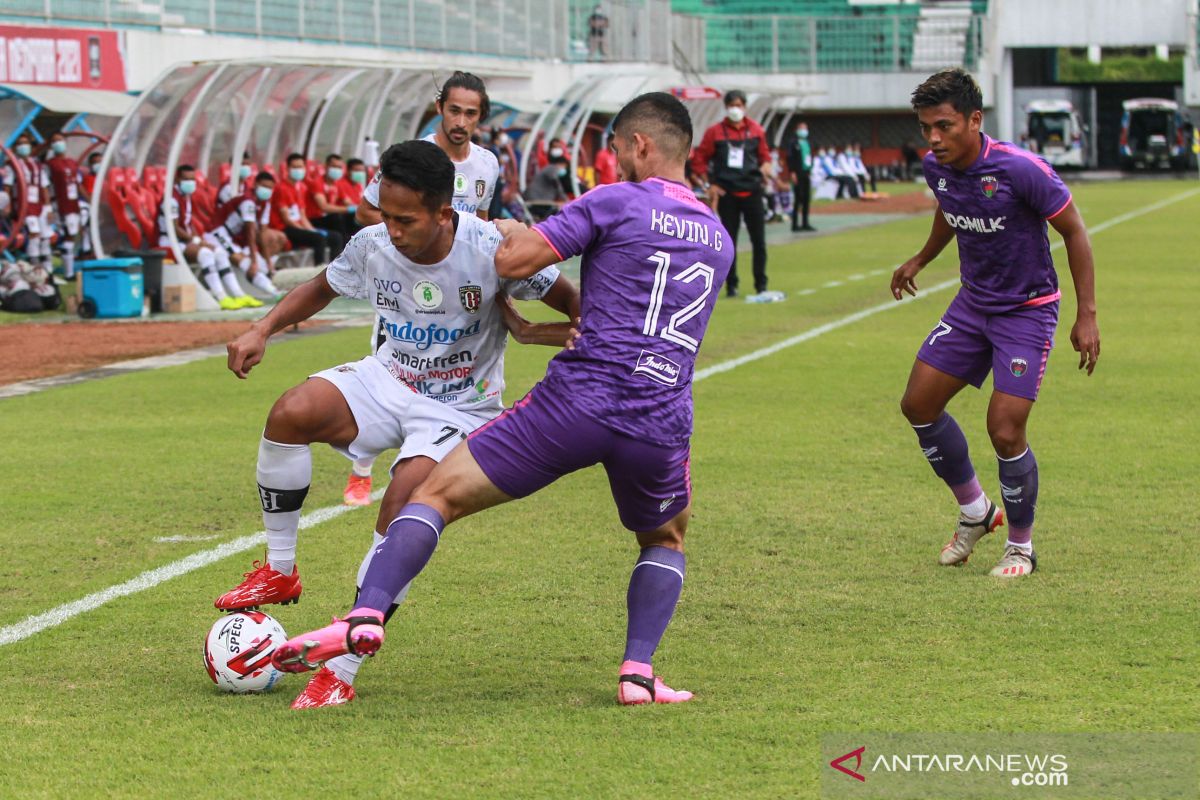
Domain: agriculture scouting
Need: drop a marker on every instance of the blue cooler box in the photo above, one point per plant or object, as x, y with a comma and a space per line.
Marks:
112, 287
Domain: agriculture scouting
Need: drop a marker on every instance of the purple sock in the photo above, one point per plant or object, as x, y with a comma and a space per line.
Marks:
654, 589
403, 553
945, 448
1019, 486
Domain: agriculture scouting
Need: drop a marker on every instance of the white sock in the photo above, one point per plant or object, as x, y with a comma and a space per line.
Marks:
68, 259
346, 667
261, 280
1024, 547
231, 284
213, 282
284, 473
362, 467
975, 509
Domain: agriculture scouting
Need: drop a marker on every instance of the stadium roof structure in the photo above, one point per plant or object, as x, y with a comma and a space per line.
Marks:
208, 113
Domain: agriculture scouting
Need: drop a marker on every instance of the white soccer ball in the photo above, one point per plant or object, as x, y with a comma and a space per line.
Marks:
237, 652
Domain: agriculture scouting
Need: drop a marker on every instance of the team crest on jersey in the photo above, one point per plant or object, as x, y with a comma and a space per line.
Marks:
471, 297
460, 183
1018, 366
427, 294
480, 188
989, 184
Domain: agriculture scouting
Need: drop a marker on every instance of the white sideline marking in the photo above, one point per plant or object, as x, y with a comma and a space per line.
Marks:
174, 539
151, 578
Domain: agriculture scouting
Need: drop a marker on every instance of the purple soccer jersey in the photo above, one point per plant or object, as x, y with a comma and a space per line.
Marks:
998, 208
654, 259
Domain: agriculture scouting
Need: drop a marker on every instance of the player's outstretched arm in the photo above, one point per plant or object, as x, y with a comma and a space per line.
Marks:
904, 278
1085, 333
297, 305
562, 297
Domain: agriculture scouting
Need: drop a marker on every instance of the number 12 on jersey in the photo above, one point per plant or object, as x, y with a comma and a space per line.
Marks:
671, 331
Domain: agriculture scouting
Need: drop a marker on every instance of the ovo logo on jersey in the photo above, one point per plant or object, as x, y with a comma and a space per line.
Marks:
976, 224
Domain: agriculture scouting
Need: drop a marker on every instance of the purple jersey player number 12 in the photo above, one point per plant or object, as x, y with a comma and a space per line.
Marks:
654, 260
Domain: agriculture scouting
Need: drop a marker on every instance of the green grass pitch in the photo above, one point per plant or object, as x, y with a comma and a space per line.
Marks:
813, 600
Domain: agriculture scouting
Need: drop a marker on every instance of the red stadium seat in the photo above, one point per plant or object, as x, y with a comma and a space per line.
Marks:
116, 192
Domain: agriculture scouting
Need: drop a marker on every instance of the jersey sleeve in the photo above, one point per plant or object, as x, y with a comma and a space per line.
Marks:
347, 274
247, 210
1038, 185
371, 193
534, 287
570, 231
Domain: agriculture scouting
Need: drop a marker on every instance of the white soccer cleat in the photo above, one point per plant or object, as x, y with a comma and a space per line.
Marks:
967, 534
1016, 563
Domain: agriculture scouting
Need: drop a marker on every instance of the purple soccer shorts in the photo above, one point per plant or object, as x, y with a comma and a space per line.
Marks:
541, 438
1014, 346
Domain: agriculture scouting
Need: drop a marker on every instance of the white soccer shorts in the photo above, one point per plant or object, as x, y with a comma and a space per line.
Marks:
389, 414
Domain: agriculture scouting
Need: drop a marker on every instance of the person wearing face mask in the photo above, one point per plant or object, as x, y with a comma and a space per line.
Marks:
64, 178
38, 232
325, 206
800, 164
351, 185
215, 268
287, 214
237, 181
733, 157
240, 224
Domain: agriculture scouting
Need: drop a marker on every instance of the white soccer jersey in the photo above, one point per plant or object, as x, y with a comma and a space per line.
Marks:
474, 180
443, 334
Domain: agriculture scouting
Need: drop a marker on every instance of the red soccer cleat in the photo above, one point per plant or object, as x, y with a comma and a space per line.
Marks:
325, 689
357, 491
263, 586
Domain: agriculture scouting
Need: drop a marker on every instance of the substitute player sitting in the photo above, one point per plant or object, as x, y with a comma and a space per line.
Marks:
996, 199
438, 374
654, 259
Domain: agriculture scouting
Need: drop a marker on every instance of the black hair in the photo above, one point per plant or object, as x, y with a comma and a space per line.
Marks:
472, 83
23, 135
264, 176
354, 162
293, 156
659, 116
954, 86
735, 94
95, 154
423, 167
182, 168
331, 157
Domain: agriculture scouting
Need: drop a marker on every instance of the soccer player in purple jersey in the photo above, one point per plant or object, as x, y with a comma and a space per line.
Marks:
996, 199
654, 260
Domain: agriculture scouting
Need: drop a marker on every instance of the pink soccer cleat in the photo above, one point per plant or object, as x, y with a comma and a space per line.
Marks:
359, 634
357, 491
639, 685
325, 689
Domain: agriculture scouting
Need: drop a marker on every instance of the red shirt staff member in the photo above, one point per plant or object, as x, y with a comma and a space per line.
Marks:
733, 155
64, 177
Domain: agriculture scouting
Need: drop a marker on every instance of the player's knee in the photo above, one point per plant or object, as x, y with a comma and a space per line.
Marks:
1008, 438
916, 411
294, 414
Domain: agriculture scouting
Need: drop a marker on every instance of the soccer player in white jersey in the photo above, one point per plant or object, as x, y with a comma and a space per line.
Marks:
462, 104
429, 271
